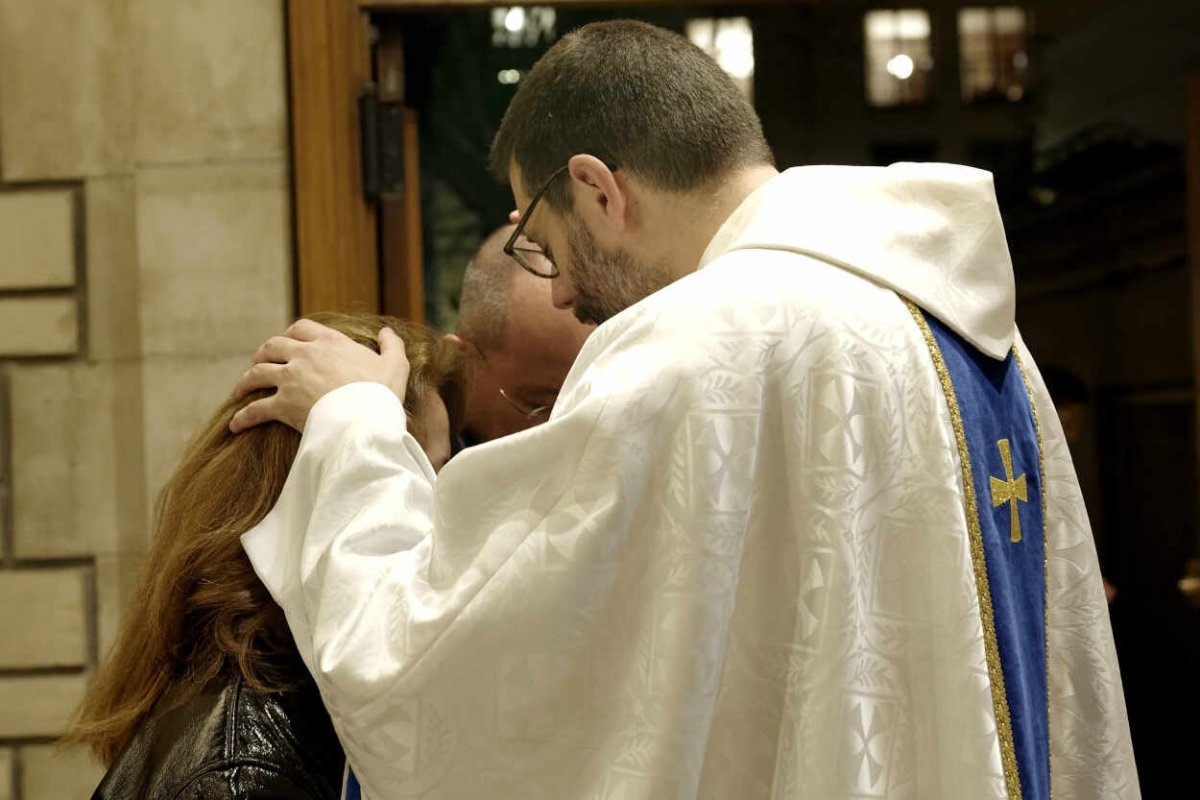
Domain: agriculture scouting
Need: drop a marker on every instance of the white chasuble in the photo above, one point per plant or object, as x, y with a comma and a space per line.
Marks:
755, 553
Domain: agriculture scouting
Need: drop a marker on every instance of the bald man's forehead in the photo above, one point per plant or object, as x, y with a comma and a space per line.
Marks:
530, 301
534, 324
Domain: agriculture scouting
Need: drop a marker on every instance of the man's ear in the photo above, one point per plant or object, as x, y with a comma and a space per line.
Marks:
459, 343
599, 193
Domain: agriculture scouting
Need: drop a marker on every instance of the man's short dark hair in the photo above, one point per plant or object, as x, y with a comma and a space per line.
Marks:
634, 95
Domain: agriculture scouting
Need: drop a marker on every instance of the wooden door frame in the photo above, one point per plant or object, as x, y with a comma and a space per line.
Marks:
337, 267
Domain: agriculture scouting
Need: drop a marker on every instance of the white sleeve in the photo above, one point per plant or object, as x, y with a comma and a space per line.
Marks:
420, 606
375, 603
356, 502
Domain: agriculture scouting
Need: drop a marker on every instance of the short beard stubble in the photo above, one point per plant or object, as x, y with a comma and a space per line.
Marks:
607, 283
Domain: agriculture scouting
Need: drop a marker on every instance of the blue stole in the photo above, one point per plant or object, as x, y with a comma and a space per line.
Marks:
999, 443
351, 791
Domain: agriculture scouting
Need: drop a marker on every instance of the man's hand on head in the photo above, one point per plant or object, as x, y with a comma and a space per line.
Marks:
307, 362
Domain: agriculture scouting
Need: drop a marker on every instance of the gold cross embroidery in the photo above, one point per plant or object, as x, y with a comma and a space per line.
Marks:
1009, 490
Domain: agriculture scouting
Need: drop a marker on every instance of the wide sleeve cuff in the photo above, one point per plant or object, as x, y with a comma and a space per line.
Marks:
346, 404
270, 543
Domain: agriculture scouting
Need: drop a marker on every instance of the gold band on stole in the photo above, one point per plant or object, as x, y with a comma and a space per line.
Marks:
1008, 753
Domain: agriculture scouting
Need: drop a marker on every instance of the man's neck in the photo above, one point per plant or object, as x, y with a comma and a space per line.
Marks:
694, 218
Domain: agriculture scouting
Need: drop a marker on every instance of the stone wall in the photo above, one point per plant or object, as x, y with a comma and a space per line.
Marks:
144, 252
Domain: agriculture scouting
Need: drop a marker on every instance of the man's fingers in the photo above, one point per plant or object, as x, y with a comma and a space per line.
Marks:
305, 330
307, 363
277, 350
391, 345
260, 376
514, 216
395, 359
255, 413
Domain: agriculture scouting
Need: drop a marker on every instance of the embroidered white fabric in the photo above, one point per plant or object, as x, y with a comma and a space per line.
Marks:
734, 563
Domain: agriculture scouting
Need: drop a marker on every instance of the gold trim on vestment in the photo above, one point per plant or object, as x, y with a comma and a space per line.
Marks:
991, 648
1037, 427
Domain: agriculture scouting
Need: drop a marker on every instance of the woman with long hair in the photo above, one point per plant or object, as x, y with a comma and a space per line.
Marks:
204, 694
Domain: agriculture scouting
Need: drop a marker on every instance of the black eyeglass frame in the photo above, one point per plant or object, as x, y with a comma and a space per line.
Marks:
510, 247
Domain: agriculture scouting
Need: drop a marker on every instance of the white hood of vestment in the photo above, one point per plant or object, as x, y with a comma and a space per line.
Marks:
931, 232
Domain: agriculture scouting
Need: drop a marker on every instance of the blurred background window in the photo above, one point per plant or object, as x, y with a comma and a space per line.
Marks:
517, 26
899, 58
730, 41
994, 63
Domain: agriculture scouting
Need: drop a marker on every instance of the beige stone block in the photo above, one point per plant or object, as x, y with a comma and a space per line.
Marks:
114, 317
66, 79
72, 472
214, 245
210, 81
117, 577
6, 773
4, 517
6, 776
39, 326
182, 395
50, 775
42, 618
38, 705
4, 448
37, 239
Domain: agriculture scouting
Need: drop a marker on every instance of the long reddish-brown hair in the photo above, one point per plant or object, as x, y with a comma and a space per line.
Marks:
200, 612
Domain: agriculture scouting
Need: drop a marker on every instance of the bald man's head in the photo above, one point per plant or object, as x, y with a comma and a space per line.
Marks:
519, 346
483, 305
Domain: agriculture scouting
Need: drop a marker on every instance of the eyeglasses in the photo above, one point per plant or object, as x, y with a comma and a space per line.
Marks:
529, 413
518, 253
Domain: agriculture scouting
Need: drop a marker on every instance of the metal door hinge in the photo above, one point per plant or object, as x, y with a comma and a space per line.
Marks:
381, 137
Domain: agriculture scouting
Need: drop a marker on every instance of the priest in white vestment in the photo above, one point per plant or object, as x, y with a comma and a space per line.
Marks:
803, 524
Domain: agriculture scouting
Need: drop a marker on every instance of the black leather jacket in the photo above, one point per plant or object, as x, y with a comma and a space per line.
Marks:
228, 742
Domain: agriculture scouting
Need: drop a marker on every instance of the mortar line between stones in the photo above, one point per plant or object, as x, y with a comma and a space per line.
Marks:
53, 562
41, 672
79, 232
